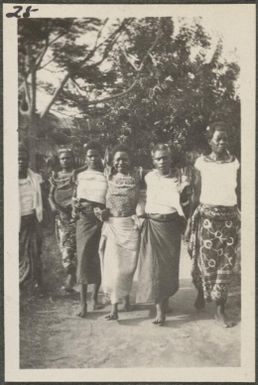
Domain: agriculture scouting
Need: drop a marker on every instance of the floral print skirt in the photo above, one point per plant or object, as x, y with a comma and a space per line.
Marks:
66, 238
212, 247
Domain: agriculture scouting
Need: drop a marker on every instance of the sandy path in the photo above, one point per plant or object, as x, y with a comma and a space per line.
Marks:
52, 337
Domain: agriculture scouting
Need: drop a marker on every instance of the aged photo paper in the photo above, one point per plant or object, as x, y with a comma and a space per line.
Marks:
199, 62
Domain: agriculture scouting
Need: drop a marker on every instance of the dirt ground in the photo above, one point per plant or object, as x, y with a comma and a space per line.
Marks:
51, 336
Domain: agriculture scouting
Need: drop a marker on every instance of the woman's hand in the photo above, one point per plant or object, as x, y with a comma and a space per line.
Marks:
102, 215
105, 214
76, 203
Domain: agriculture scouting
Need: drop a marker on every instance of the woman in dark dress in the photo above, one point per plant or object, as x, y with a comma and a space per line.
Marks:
161, 235
90, 197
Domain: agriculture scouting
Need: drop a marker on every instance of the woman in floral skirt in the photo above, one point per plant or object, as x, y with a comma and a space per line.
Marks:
215, 222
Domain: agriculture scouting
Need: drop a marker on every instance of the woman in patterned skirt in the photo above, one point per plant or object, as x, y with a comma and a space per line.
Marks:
120, 235
60, 199
215, 222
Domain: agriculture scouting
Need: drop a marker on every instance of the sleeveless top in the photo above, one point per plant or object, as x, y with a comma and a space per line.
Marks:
163, 194
218, 181
92, 186
123, 193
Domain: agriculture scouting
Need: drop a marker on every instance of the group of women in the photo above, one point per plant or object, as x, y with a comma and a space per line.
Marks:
106, 230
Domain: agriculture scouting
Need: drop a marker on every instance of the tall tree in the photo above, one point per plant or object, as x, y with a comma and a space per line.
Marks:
134, 80
55, 41
184, 84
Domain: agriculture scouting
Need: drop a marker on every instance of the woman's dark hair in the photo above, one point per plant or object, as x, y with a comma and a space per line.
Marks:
160, 147
92, 146
120, 148
215, 126
65, 150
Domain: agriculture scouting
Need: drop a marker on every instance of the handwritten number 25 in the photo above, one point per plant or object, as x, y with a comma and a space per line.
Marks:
18, 11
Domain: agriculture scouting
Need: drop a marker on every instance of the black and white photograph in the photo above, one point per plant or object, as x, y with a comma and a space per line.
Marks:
129, 144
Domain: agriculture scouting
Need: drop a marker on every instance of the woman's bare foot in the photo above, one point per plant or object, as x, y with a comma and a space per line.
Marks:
160, 316
112, 317
83, 311
221, 318
222, 321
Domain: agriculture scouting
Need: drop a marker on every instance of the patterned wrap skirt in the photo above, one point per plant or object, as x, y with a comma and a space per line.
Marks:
212, 247
30, 241
159, 257
88, 231
119, 247
66, 239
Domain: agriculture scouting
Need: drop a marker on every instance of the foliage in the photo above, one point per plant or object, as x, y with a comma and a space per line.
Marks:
134, 81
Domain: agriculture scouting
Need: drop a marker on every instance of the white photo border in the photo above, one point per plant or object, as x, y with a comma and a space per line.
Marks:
245, 25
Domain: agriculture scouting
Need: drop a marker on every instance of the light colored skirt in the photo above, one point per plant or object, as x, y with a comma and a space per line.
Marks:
118, 252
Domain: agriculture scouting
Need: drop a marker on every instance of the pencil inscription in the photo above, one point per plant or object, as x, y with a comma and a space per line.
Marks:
18, 13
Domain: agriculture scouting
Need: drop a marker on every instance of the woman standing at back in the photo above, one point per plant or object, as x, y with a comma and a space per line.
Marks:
60, 199
215, 222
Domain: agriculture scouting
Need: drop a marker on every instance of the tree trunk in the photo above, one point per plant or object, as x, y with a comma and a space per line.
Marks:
57, 92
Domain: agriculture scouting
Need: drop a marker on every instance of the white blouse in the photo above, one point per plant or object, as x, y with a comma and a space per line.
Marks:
218, 182
92, 185
163, 194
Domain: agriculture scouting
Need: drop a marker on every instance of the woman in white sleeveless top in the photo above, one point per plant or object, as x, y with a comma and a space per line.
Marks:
215, 222
161, 234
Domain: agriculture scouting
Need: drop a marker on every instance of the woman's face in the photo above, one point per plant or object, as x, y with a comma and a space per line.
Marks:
219, 142
66, 160
93, 159
121, 162
162, 161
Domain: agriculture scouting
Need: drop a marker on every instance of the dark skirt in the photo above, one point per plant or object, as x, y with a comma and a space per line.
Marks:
30, 241
88, 231
212, 246
159, 258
